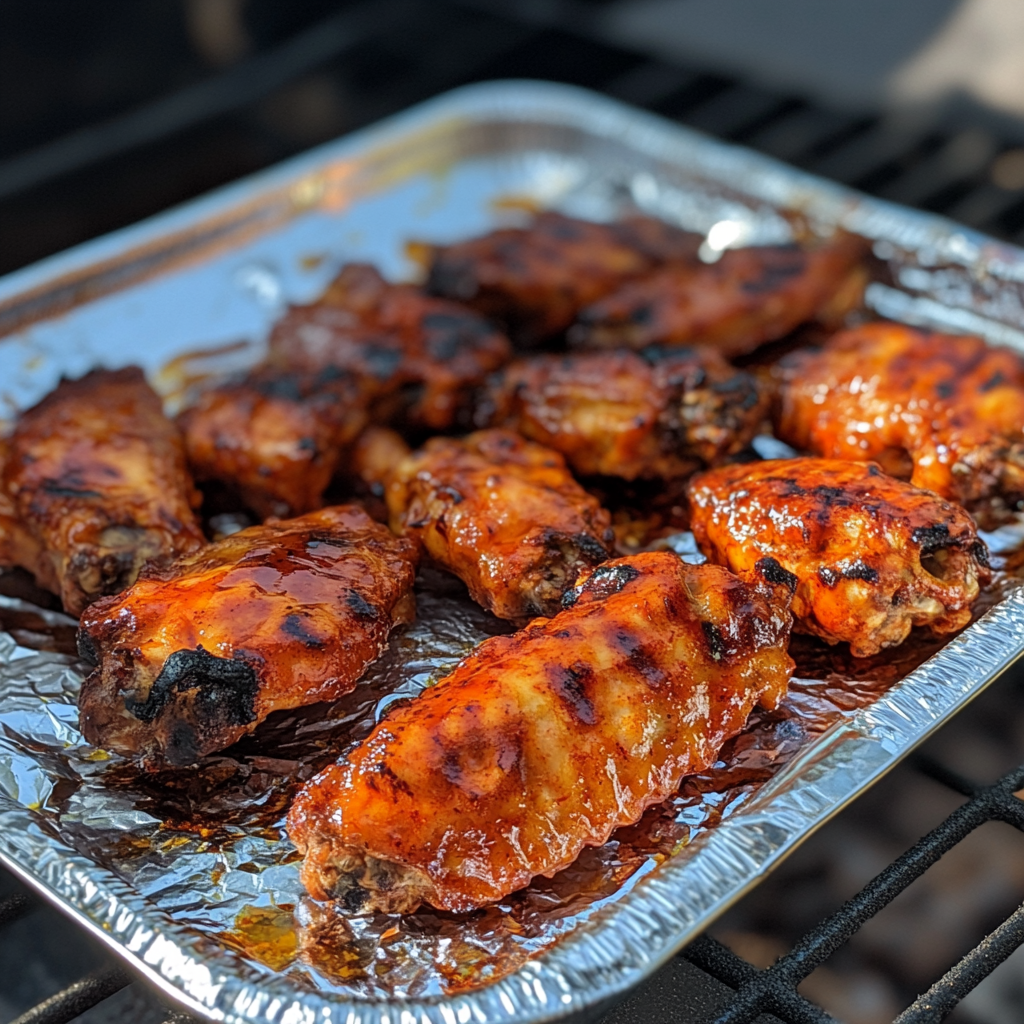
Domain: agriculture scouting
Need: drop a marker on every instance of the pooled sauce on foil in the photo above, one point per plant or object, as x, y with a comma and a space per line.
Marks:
208, 845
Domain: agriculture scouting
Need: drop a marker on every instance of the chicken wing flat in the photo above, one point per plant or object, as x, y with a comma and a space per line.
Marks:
194, 655
97, 473
502, 514
536, 279
748, 297
944, 411
417, 357
18, 545
656, 413
274, 439
542, 743
873, 556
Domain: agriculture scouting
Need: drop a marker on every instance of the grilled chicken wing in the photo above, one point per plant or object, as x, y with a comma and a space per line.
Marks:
657, 413
275, 439
503, 515
18, 545
873, 556
748, 297
542, 743
97, 473
417, 358
536, 279
194, 655
947, 412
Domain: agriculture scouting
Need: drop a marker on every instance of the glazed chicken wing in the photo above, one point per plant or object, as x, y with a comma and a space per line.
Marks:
97, 473
194, 655
274, 439
947, 412
542, 743
18, 545
748, 297
502, 514
536, 279
657, 413
873, 556
416, 357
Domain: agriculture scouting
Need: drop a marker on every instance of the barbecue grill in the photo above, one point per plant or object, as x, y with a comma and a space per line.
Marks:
342, 68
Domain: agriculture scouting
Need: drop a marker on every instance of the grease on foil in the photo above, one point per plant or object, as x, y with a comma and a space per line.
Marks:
208, 847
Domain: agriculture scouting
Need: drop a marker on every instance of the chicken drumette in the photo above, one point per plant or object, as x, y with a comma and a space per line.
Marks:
536, 279
657, 413
194, 655
417, 358
502, 514
944, 411
542, 743
873, 556
274, 440
96, 473
748, 297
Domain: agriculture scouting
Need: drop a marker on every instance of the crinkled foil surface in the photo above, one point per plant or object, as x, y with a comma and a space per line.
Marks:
190, 875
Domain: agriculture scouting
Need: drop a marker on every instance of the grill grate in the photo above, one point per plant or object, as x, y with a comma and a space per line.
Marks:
372, 59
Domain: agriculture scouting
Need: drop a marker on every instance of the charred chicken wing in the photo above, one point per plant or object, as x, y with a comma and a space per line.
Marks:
536, 279
416, 357
748, 297
657, 413
542, 743
194, 655
274, 439
97, 473
947, 412
502, 514
873, 556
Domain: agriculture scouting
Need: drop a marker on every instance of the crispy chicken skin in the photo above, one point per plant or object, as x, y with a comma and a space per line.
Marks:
657, 413
873, 556
194, 655
417, 357
18, 545
542, 743
945, 411
748, 297
275, 439
502, 514
97, 473
536, 279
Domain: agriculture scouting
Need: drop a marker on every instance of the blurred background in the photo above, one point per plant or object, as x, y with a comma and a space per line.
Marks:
112, 110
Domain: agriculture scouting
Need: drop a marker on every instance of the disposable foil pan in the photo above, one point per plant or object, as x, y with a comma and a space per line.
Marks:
200, 286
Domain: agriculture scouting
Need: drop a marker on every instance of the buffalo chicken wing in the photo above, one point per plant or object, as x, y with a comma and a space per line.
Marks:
194, 655
873, 556
657, 413
416, 357
274, 439
502, 514
945, 411
542, 743
536, 279
97, 474
748, 297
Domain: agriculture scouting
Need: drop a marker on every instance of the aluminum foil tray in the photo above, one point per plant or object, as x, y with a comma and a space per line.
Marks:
192, 880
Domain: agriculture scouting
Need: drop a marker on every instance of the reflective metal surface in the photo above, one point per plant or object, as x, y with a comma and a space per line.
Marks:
191, 878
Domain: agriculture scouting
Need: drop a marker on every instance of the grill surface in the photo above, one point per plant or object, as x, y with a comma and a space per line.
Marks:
171, 128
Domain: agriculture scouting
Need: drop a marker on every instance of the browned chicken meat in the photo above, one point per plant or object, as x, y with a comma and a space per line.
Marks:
417, 358
657, 413
97, 474
536, 279
944, 411
273, 439
873, 556
502, 514
748, 297
18, 545
194, 655
542, 743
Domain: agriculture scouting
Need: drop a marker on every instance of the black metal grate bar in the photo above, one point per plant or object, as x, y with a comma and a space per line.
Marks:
77, 998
